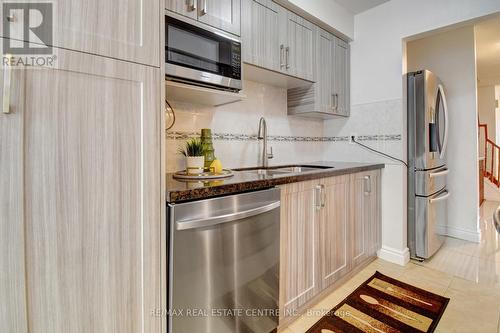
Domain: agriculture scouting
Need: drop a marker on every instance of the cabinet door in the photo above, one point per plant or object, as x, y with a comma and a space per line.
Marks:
13, 314
365, 221
121, 29
221, 14
84, 168
342, 81
299, 221
325, 66
260, 34
299, 47
186, 8
333, 230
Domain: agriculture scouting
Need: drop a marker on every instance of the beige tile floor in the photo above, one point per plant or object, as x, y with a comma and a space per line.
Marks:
467, 273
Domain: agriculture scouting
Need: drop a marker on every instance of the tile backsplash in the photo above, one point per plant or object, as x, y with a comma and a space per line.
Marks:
293, 139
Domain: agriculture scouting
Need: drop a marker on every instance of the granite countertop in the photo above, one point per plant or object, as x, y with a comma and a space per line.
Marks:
245, 180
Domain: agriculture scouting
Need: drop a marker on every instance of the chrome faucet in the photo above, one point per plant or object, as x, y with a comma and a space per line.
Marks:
263, 136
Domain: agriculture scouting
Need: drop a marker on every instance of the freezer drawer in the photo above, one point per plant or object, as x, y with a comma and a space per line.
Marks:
430, 181
430, 212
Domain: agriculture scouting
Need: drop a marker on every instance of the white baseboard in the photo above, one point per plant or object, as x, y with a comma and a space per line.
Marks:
465, 234
400, 257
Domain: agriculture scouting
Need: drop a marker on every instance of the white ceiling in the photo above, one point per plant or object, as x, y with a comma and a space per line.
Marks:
358, 6
488, 51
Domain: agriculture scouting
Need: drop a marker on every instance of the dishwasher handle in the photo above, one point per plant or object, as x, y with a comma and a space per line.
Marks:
214, 220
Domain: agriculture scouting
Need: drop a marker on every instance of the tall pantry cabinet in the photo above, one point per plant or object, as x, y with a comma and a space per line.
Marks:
81, 206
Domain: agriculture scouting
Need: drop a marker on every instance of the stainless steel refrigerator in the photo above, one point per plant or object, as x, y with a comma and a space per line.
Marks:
427, 140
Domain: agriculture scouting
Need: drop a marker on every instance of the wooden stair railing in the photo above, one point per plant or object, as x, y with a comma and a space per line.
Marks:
491, 157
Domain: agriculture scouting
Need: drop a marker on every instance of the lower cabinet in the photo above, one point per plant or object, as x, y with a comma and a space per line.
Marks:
365, 209
300, 212
329, 227
334, 258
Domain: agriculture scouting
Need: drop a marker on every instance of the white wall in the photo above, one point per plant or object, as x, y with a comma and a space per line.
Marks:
242, 118
377, 50
376, 75
451, 56
327, 11
294, 139
486, 109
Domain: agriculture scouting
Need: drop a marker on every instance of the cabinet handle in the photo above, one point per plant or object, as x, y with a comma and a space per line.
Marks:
282, 51
336, 101
323, 196
7, 73
367, 185
287, 57
204, 10
317, 197
192, 5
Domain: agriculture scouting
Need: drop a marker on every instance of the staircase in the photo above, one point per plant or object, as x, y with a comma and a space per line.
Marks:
490, 156
489, 166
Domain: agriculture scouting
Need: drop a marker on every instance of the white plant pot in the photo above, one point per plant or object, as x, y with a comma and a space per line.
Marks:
195, 164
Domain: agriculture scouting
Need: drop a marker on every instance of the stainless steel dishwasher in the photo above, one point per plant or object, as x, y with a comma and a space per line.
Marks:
224, 264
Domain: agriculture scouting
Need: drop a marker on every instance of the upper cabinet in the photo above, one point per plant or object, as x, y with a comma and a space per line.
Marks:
122, 29
187, 8
330, 95
260, 34
297, 37
316, 63
220, 14
325, 72
341, 72
275, 38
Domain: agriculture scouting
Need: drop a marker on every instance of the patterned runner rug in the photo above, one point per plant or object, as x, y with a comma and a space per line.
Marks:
384, 305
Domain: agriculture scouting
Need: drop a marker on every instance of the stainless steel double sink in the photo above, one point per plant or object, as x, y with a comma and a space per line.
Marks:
284, 170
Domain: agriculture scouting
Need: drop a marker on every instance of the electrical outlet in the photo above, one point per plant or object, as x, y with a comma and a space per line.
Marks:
351, 137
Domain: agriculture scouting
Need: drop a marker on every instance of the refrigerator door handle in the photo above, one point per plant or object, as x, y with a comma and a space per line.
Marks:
445, 107
445, 195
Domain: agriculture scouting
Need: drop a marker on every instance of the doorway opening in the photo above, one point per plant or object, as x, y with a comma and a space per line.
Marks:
487, 35
466, 58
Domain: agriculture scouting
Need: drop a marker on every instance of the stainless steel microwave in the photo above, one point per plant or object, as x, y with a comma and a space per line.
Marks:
201, 55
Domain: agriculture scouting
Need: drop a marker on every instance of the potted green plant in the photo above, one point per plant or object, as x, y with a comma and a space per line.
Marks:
194, 151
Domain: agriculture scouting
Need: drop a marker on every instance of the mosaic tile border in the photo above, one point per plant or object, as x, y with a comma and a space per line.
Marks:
281, 138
